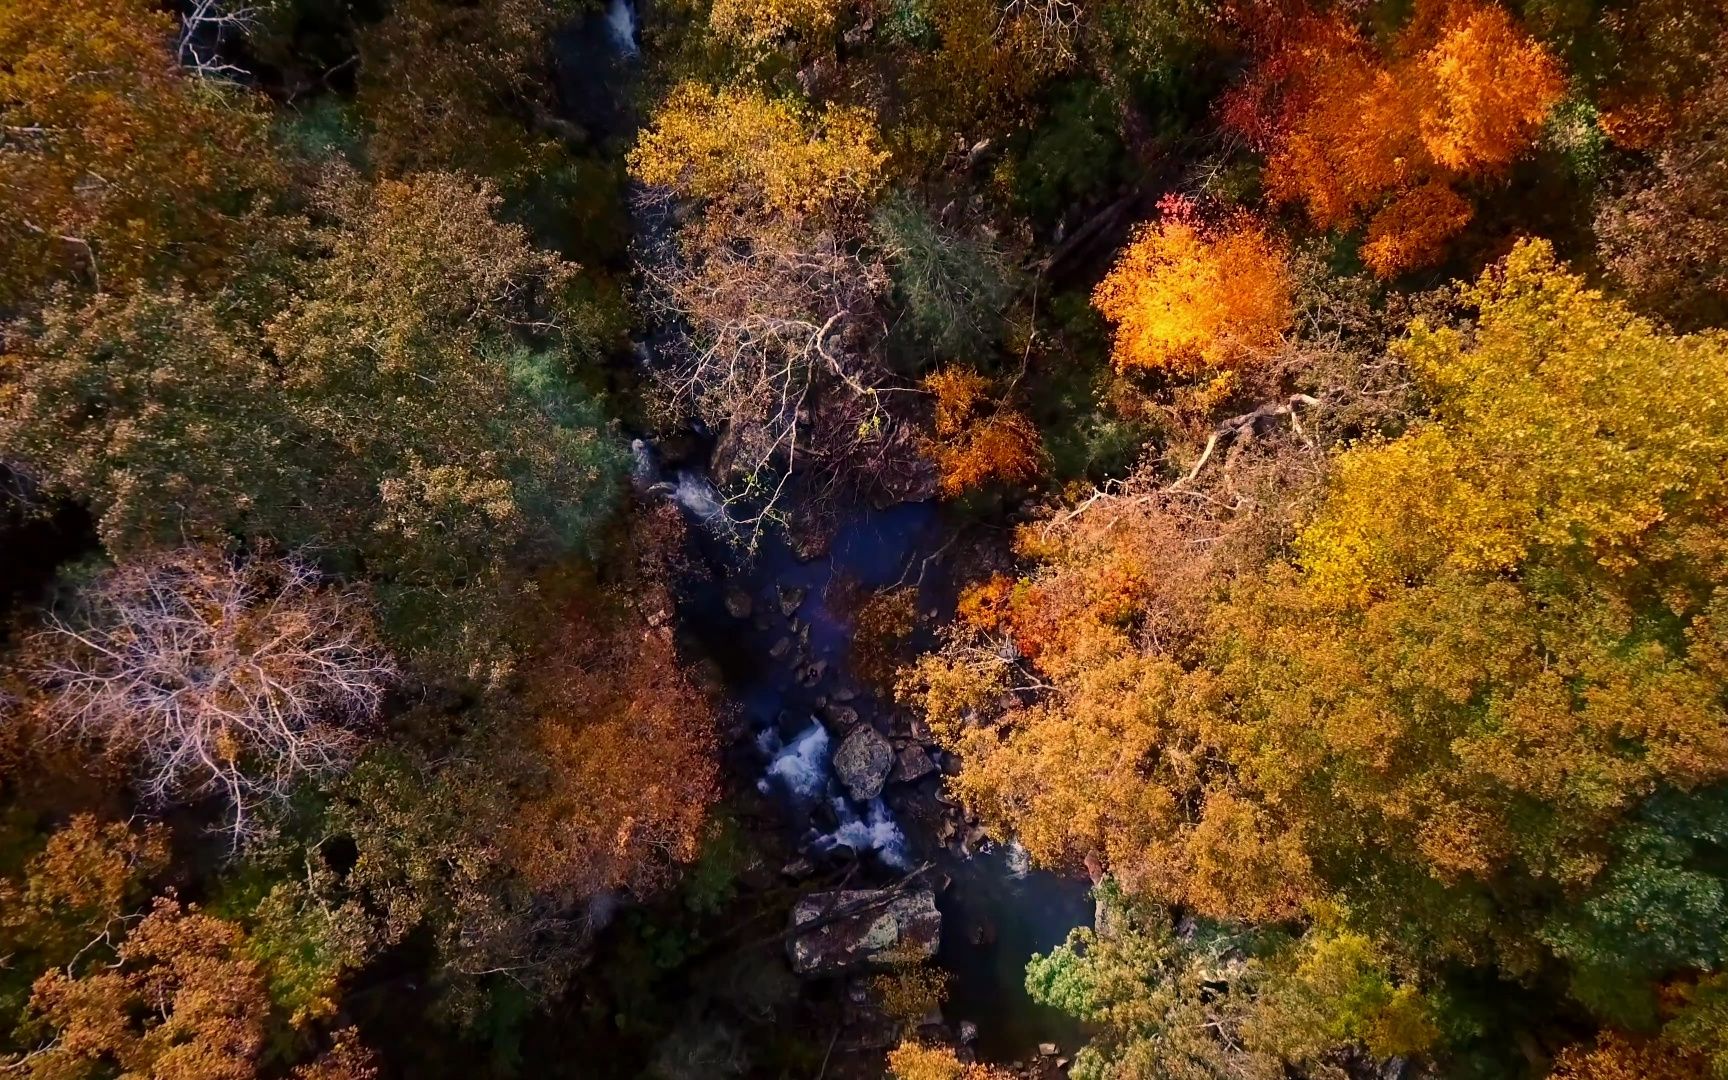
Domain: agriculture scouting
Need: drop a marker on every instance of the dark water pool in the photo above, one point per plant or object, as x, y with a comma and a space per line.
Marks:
996, 912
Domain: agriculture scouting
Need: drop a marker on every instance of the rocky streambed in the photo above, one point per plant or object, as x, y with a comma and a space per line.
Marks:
856, 782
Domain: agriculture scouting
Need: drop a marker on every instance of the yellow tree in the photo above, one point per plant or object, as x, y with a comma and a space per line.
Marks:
113, 161
1504, 629
747, 154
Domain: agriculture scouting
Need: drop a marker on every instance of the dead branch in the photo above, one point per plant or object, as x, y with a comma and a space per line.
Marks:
236, 679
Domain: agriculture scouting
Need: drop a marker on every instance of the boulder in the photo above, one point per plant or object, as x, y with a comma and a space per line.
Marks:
881, 930
780, 648
790, 599
911, 765
811, 674
841, 718
863, 761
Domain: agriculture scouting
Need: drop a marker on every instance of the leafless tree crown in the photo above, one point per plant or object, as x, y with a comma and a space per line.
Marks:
218, 676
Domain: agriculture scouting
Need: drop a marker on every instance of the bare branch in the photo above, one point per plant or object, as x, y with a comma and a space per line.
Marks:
226, 678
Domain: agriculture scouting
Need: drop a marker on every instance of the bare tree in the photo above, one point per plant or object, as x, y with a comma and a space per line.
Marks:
203, 31
782, 355
217, 676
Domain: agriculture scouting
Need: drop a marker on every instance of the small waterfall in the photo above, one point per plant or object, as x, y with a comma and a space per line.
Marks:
697, 494
621, 25
803, 769
877, 831
801, 765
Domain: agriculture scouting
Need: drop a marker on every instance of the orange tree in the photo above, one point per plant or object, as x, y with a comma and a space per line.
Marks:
1351, 130
1190, 297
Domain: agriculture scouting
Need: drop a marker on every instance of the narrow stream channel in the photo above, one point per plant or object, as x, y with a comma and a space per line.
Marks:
786, 664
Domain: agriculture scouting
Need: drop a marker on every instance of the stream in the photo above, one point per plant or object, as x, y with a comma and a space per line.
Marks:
779, 629
786, 665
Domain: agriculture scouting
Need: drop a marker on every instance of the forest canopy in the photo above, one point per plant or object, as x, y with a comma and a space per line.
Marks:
685, 540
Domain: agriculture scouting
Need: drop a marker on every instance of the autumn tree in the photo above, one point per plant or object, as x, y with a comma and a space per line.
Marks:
158, 414
1215, 1001
971, 446
1663, 54
759, 24
182, 1002
1665, 232
1494, 646
76, 890
742, 153
913, 1060
622, 773
1075, 698
412, 405
217, 676
1192, 297
505, 844
464, 87
1353, 131
114, 162
1616, 1057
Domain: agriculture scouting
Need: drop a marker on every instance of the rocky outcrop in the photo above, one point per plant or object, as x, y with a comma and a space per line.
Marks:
863, 928
863, 761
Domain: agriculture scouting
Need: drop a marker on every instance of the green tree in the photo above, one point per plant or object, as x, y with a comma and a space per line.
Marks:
412, 410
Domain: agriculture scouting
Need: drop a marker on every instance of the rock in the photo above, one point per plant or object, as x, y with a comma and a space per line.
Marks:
883, 931
863, 761
780, 648
790, 599
738, 604
798, 868
1047, 1049
911, 765
811, 674
968, 1031
844, 693
841, 718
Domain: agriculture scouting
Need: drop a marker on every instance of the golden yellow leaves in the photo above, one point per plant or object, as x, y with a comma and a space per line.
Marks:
758, 23
1565, 422
1187, 297
750, 155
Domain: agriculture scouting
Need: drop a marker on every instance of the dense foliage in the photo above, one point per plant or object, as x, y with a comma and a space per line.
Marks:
1323, 407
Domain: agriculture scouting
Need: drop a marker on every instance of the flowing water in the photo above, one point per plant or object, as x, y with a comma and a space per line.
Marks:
789, 657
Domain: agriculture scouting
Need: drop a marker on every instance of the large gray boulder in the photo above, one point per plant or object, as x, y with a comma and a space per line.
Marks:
863, 761
875, 929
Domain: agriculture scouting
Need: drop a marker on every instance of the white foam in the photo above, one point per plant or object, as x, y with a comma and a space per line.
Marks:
877, 831
802, 765
621, 24
697, 494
